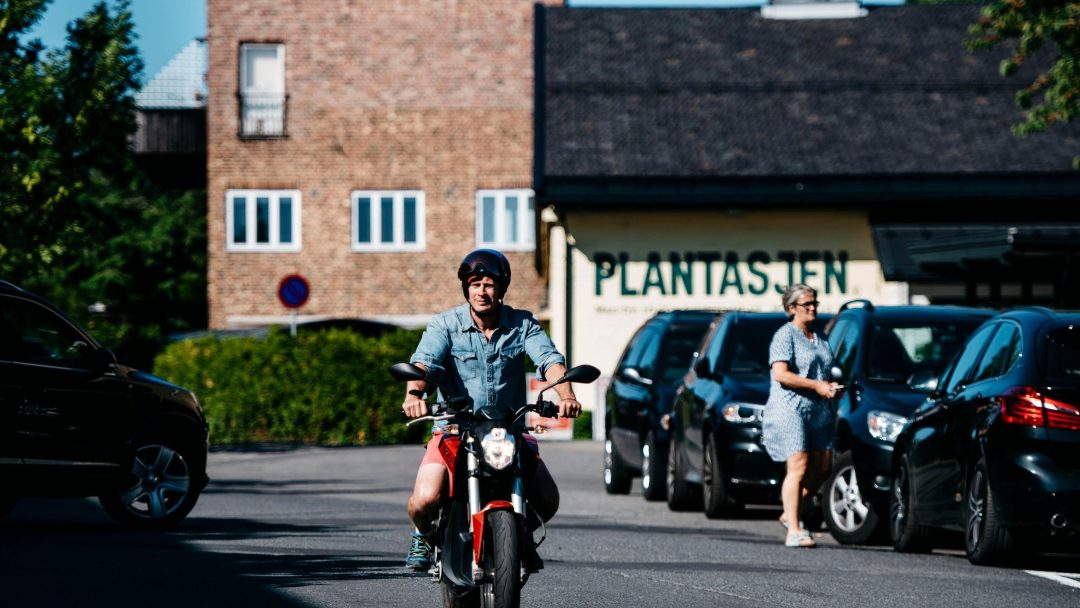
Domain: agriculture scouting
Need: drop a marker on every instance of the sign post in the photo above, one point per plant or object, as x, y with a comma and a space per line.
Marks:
293, 291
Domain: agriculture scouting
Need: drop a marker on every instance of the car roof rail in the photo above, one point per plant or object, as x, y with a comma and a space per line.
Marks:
860, 303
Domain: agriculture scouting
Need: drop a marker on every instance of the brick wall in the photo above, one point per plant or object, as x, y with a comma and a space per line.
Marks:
402, 94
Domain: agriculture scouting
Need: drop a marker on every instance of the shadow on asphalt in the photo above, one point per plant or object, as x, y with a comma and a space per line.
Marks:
68, 553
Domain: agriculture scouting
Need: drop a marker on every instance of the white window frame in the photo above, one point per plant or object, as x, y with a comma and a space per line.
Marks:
249, 122
397, 242
274, 245
526, 221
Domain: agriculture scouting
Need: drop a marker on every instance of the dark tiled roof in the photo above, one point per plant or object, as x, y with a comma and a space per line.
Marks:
727, 93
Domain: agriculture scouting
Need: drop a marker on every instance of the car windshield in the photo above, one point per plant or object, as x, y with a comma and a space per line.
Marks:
1063, 356
748, 349
682, 342
898, 350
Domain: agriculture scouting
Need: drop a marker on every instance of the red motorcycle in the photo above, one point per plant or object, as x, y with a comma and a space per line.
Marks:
481, 533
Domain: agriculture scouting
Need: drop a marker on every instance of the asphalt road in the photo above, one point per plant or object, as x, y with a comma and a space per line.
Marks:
327, 527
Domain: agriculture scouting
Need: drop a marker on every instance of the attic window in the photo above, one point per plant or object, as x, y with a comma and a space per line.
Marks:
812, 9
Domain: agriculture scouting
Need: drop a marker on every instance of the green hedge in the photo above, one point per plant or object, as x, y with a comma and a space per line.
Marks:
328, 388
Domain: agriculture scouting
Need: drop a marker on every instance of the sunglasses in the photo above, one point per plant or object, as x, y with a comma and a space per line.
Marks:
808, 305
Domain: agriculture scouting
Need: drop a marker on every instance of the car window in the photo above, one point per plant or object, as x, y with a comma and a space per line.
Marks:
35, 334
845, 347
650, 350
961, 370
678, 350
716, 342
898, 349
1063, 356
1000, 353
748, 345
635, 348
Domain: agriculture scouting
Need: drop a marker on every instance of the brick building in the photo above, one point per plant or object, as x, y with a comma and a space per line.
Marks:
366, 146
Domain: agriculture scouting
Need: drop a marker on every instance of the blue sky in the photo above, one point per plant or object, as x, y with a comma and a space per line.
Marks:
164, 27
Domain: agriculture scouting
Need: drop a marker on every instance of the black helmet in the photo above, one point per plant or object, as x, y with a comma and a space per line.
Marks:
484, 262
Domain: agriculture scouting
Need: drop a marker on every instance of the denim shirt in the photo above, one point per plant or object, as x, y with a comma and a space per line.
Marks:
460, 361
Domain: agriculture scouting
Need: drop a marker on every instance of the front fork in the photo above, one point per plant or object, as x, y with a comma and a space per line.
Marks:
517, 503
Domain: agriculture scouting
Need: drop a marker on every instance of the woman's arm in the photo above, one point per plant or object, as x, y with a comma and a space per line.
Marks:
791, 380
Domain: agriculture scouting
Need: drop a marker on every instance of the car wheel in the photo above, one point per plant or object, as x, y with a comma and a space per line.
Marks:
908, 536
159, 490
653, 469
680, 494
616, 475
986, 540
717, 502
850, 519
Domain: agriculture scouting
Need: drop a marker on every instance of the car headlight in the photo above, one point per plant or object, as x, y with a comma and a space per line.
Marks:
498, 447
885, 425
743, 413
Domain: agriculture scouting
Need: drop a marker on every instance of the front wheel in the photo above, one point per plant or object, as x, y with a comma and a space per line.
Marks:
681, 496
986, 541
908, 536
617, 477
653, 464
453, 598
158, 491
502, 561
715, 497
850, 519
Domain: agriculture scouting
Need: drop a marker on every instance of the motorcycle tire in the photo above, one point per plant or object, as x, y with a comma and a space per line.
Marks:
453, 597
503, 557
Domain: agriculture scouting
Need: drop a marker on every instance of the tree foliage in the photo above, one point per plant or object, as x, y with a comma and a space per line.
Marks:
77, 222
1030, 25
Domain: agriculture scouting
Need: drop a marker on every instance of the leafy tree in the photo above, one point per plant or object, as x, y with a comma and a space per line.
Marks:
78, 224
1029, 25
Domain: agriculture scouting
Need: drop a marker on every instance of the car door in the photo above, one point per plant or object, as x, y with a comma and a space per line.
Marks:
73, 406
11, 393
930, 453
631, 390
708, 389
844, 342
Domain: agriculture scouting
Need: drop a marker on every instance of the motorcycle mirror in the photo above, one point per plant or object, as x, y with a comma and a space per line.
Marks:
582, 374
406, 371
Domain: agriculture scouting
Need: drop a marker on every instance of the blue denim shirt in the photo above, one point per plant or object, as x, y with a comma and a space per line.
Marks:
460, 361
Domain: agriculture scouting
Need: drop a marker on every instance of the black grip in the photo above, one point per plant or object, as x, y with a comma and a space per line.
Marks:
549, 410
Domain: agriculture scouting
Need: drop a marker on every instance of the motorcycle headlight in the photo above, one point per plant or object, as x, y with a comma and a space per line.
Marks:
885, 425
743, 413
498, 447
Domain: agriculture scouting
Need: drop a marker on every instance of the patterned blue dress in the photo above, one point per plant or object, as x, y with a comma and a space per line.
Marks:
798, 420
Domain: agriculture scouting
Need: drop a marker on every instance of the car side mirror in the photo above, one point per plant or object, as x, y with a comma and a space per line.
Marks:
924, 382
631, 374
102, 358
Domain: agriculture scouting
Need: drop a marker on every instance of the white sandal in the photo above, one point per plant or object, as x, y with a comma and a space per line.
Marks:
801, 539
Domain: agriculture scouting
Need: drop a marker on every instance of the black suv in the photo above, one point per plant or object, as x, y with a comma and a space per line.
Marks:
75, 422
716, 458
640, 396
878, 349
993, 450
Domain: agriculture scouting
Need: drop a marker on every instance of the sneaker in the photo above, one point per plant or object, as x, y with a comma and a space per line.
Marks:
420, 553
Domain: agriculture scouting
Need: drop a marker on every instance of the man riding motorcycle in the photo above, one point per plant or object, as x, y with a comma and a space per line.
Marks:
478, 349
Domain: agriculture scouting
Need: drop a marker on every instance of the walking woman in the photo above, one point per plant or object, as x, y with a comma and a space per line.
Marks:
799, 426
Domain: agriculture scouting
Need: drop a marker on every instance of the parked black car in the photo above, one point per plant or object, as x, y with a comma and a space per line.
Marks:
640, 395
878, 348
75, 422
716, 460
994, 451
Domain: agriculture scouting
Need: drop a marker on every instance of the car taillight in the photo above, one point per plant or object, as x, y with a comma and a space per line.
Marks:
1025, 405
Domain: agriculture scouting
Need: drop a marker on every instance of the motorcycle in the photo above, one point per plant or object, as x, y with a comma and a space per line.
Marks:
481, 533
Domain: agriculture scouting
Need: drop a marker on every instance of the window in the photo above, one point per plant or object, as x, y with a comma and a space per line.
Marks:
34, 334
505, 219
999, 354
961, 369
388, 220
262, 220
262, 90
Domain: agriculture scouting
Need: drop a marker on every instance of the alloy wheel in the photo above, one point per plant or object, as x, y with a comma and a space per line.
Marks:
160, 482
976, 509
846, 507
